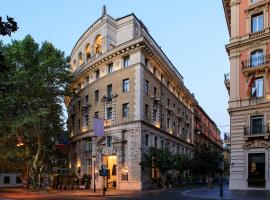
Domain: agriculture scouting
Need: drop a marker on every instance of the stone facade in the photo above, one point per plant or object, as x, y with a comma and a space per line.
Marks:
248, 87
152, 108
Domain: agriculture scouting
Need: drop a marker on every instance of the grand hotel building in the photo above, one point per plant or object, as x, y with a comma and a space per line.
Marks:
248, 85
122, 75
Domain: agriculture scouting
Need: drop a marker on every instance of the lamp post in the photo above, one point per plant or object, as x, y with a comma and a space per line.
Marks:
94, 174
221, 167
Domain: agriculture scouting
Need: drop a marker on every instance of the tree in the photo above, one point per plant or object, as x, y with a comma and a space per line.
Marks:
33, 81
6, 28
205, 161
182, 163
161, 159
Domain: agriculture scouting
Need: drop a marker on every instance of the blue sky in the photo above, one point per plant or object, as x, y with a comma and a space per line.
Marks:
192, 34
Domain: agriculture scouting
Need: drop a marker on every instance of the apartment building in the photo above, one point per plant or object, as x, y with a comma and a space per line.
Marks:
248, 86
205, 129
122, 75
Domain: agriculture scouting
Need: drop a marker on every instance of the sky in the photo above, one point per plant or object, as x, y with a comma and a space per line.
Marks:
192, 34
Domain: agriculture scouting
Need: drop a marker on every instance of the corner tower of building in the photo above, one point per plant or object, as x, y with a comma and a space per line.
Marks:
248, 87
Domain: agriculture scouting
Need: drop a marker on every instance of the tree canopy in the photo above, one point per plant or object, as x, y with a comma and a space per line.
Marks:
33, 82
6, 28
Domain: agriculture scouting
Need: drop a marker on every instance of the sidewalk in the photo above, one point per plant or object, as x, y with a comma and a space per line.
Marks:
205, 193
83, 192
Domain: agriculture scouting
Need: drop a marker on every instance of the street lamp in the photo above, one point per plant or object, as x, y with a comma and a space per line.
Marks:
94, 176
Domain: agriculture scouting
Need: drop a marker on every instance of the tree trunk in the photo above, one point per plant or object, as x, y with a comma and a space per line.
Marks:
35, 171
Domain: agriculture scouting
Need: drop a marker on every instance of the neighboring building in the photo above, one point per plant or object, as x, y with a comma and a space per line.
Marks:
248, 85
10, 180
205, 129
122, 75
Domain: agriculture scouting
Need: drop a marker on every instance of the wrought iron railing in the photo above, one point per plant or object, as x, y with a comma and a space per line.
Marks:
256, 62
227, 77
263, 130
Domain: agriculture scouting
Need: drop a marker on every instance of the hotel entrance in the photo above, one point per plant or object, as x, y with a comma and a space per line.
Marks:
256, 170
112, 171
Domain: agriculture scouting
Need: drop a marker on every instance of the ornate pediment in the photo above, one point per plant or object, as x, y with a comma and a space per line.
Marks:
257, 144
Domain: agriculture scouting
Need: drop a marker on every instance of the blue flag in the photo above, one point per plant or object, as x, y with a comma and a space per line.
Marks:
98, 127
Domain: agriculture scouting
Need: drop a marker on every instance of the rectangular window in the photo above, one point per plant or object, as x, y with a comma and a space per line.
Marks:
155, 116
162, 144
125, 110
257, 88
257, 23
126, 85
110, 68
6, 180
126, 61
146, 142
88, 145
86, 99
155, 92
79, 124
156, 142
96, 115
109, 113
146, 111
97, 74
256, 58
109, 141
146, 87
96, 96
256, 124
79, 105
154, 70
109, 92
86, 120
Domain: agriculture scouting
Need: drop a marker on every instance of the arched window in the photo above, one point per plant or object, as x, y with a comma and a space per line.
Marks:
98, 44
256, 58
80, 58
87, 52
74, 64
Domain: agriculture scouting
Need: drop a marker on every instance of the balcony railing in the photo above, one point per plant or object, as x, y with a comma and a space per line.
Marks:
256, 62
256, 132
227, 77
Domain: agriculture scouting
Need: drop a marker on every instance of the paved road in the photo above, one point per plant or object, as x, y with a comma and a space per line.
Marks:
149, 195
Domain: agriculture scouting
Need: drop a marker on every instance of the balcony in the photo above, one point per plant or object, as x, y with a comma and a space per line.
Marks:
227, 82
259, 64
227, 140
258, 132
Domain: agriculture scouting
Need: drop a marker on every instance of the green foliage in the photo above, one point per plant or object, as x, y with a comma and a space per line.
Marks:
33, 82
6, 28
205, 161
164, 160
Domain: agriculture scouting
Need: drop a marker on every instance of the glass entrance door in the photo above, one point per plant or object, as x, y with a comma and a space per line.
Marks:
256, 170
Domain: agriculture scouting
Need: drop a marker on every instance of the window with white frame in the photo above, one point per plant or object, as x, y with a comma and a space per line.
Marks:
126, 85
126, 61
257, 23
110, 68
257, 88
256, 58
125, 110
256, 123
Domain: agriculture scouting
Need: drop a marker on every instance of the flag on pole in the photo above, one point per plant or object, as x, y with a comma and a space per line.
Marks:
98, 127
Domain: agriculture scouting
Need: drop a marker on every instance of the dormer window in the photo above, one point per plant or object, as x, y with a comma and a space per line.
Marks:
257, 23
